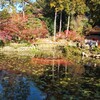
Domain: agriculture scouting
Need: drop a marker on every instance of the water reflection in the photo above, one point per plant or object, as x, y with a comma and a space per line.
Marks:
59, 79
18, 87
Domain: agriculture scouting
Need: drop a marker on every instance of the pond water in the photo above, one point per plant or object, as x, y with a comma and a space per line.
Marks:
27, 78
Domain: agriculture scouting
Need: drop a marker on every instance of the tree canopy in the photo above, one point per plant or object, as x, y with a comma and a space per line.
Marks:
53, 15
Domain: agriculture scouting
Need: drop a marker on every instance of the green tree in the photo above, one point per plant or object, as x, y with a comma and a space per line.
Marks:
58, 6
2, 4
94, 11
4, 15
74, 8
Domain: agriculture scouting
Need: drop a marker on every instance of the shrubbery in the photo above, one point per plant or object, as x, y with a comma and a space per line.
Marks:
19, 29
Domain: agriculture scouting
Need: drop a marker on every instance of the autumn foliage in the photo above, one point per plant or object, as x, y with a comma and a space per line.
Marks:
22, 29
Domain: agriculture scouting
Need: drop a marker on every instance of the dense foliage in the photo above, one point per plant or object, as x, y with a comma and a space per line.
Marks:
17, 29
46, 17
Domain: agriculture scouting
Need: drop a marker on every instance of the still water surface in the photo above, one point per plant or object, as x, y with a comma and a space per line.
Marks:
27, 78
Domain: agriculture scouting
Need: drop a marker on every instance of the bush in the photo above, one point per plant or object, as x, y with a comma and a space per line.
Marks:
1, 43
5, 36
72, 51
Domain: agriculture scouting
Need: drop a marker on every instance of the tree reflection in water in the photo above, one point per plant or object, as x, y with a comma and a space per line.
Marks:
14, 88
17, 87
58, 78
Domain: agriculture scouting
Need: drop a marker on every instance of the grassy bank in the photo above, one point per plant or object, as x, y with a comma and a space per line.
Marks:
46, 48
40, 50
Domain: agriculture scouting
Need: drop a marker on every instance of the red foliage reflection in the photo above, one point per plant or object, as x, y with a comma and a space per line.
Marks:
46, 61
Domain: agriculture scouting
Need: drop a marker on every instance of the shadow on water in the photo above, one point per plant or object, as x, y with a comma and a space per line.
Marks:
25, 78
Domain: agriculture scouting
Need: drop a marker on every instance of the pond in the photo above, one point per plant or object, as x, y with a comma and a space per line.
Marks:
28, 78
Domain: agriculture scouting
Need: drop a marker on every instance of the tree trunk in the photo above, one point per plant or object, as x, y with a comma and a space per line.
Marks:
23, 4
68, 25
55, 25
23, 15
60, 26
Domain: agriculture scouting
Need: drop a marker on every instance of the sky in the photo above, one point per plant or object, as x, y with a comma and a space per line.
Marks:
20, 8
17, 6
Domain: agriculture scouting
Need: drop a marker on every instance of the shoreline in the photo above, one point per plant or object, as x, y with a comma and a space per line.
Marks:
46, 50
